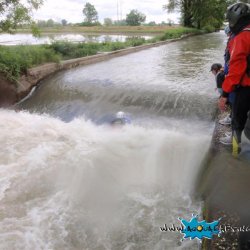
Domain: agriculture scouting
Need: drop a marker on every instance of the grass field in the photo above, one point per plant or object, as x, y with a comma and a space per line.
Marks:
105, 29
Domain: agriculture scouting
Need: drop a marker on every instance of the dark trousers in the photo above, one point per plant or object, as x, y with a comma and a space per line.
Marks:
241, 106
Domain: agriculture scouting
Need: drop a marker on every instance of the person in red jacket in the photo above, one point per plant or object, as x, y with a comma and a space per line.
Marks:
238, 77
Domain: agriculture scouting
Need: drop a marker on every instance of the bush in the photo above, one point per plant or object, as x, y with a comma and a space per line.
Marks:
135, 41
209, 28
175, 33
15, 60
73, 50
88, 24
112, 46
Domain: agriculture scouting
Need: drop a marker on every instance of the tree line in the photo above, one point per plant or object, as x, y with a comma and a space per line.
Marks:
133, 18
201, 13
194, 13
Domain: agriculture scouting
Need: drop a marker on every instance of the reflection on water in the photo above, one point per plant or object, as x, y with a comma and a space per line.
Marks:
17, 39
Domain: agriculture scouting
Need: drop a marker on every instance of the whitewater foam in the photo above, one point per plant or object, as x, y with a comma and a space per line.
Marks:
80, 186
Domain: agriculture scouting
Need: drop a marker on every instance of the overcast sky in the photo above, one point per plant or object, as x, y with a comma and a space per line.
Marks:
71, 10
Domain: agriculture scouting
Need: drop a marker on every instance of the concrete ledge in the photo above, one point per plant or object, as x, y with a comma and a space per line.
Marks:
108, 55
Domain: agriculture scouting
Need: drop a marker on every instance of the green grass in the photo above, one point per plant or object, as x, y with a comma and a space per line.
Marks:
15, 60
177, 33
159, 29
68, 50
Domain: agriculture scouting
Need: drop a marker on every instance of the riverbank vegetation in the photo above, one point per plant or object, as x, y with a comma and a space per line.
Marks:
15, 60
209, 14
156, 29
200, 14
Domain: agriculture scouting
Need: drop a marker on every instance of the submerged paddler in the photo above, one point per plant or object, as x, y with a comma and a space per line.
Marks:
120, 119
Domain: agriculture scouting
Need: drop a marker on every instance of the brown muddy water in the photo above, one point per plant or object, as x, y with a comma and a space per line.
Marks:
71, 181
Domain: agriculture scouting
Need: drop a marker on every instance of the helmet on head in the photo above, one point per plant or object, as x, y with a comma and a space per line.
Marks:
236, 11
120, 115
120, 119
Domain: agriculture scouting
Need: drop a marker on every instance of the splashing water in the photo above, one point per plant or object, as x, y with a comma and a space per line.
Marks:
79, 186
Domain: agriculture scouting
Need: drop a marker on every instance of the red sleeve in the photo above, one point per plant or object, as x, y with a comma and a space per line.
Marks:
238, 61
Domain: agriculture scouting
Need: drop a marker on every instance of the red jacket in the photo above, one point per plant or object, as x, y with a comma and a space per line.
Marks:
240, 49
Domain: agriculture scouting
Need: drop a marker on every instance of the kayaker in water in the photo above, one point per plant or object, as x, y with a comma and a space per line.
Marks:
120, 119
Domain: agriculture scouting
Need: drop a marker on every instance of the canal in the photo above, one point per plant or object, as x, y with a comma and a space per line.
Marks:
69, 180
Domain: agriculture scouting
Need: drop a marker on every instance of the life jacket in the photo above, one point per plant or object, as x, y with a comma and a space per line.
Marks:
228, 51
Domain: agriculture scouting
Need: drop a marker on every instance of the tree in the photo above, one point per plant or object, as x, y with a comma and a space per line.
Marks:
170, 22
50, 23
90, 13
199, 13
163, 23
41, 23
64, 22
185, 7
16, 12
120, 22
135, 18
152, 23
108, 21
209, 13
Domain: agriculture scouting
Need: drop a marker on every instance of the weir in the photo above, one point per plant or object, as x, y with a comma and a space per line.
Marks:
78, 183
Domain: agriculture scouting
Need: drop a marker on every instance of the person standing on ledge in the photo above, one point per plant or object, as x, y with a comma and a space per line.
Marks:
238, 78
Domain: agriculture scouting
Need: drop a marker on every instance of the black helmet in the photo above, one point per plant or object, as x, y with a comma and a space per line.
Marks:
237, 11
216, 67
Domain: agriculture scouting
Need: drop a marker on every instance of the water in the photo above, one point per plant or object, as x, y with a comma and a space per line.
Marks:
173, 82
28, 39
71, 181
78, 186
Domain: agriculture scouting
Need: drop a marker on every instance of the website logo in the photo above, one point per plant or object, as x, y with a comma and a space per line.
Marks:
199, 229
202, 229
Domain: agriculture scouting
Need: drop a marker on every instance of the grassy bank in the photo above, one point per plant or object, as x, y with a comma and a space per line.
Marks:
105, 29
15, 60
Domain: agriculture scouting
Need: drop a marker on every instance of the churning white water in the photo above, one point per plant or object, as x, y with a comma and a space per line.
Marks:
70, 183
80, 186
